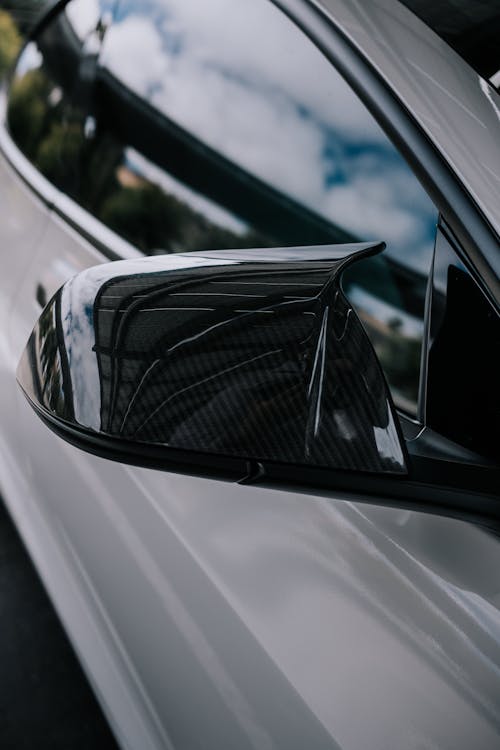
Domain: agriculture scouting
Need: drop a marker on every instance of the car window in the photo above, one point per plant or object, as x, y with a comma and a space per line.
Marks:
181, 132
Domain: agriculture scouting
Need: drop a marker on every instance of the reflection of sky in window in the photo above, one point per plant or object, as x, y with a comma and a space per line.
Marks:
277, 108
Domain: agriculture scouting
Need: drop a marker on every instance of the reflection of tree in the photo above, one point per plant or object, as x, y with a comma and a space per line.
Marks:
154, 220
24, 13
58, 152
146, 216
92, 171
28, 113
150, 218
10, 41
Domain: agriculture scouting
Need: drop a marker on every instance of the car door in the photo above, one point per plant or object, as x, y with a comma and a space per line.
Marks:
208, 613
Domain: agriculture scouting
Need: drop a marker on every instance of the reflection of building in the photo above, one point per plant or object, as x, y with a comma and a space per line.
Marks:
49, 372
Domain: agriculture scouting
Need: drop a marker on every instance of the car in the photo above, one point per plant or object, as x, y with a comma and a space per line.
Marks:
250, 365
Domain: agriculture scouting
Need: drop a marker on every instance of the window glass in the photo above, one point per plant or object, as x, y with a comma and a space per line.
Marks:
183, 133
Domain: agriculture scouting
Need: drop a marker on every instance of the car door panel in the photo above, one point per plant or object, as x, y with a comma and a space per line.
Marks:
24, 221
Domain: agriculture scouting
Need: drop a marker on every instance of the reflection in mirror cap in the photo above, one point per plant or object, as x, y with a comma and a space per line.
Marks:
250, 354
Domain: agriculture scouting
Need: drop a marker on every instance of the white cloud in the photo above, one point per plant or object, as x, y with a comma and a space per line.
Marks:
30, 59
84, 16
133, 51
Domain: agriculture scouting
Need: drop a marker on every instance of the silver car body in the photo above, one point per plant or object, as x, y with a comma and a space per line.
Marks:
215, 615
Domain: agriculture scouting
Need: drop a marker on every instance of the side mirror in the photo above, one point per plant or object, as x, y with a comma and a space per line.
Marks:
215, 363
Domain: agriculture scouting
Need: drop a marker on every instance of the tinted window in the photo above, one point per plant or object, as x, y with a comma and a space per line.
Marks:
182, 133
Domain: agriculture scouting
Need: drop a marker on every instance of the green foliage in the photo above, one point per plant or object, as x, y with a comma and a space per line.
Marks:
146, 216
59, 153
27, 111
155, 221
10, 41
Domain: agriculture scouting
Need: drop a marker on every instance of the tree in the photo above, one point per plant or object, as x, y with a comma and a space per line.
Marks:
10, 41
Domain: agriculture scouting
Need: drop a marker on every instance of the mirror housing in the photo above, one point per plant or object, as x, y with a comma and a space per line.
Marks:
215, 363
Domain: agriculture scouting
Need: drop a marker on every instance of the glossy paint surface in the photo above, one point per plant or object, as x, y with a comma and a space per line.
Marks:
252, 353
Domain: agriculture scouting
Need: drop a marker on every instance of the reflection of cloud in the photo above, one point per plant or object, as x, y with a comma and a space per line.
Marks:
78, 328
84, 16
283, 61
278, 109
358, 207
124, 54
30, 59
